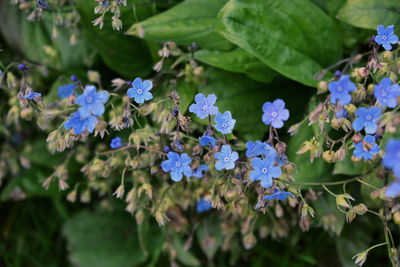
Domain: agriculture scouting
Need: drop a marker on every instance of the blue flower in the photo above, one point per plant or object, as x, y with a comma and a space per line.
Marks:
275, 113
264, 171
340, 90
177, 165
166, 149
226, 158
92, 102
198, 173
367, 119
259, 148
386, 36
393, 189
116, 142
65, 91
391, 160
341, 113
203, 206
224, 122
42, 4
279, 195
32, 95
206, 140
23, 67
204, 105
140, 90
366, 149
386, 93
80, 124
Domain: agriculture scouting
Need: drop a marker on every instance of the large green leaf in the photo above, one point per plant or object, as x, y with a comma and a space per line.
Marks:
369, 14
188, 22
103, 239
237, 60
245, 97
126, 55
33, 39
293, 37
307, 171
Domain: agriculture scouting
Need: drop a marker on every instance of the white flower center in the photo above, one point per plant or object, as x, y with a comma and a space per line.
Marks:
205, 107
89, 99
178, 164
224, 125
384, 37
264, 170
369, 117
340, 89
139, 91
384, 93
274, 114
226, 159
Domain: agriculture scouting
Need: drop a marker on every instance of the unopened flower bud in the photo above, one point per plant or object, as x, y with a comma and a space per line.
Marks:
196, 150
340, 154
322, 87
363, 72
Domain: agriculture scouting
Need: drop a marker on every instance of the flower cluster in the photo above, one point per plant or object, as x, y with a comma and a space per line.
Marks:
91, 105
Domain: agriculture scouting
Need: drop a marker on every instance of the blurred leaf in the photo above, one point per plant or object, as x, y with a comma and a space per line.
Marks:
124, 54
353, 240
186, 91
348, 167
192, 21
103, 239
209, 236
366, 190
183, 255
237, 60
369, 14
33, 39
325, 207
290, 36
330, 6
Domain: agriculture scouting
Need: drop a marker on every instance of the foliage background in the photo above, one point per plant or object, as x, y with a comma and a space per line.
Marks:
252, 51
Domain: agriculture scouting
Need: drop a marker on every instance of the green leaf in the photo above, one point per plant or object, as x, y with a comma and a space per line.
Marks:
237, 60
188, 22
369, 14
354, 239
126, 55
348, 167
209, 236
244, 98
325, 206
182, 254
103, 239
293, 37
33, 39
372, 179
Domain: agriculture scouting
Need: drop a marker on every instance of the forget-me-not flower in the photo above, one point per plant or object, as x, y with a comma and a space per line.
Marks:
198, 173
264, 171
66, 90
275, 113
391, 160
386, 36
203, 205
386, 93
340, 90
32, 95
177, 165
92, 102
224, 122
366, 149
393, 190
258, 148
116, 142
206, 140
279, 195
367, 118
140, 90
204, 106
226, 158
81, 124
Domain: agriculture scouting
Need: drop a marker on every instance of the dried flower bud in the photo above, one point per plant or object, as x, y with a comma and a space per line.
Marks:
249, 241
363, 72
340, 154
356, 139
119, 193
360, 258
328, 156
